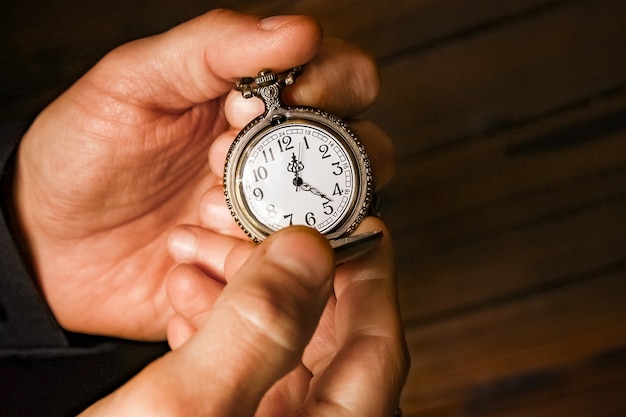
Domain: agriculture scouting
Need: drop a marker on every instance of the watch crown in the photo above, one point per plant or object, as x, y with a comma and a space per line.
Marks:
265, 77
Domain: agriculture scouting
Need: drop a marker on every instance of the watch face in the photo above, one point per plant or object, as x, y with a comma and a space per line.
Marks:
297, 172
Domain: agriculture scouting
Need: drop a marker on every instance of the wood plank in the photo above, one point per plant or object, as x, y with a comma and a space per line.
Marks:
471, 176
47, 47
501, 270
467, 361
477, 85
496, 224
590, 388
387, 29
508, 210
474, 203
42, 54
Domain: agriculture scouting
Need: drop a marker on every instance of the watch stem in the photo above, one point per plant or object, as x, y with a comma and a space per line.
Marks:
265, 77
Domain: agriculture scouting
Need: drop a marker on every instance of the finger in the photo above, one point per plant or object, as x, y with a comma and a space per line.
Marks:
215, 215
200, 247
179, 330
190, 293
379, 148
370, 338
200, 59
320, 354
239, 111
341, 79
219, 149
254, 335
193, 287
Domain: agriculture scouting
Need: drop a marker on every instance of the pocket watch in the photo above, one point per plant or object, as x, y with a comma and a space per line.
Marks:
295, 166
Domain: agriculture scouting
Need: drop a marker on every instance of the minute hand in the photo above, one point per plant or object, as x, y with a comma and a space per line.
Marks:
307, 187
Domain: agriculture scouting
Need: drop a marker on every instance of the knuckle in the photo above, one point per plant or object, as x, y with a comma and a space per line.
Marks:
266, 323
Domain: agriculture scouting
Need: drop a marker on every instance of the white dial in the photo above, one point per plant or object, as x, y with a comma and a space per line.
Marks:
298, 174
295, 166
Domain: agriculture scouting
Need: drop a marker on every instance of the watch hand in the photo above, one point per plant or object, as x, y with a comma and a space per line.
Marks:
295, 166
307, 187
297, 181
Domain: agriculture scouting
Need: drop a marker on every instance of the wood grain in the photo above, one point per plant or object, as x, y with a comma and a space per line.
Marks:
508, 210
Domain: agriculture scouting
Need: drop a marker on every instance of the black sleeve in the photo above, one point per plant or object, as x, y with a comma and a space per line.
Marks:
25, 320
45, 371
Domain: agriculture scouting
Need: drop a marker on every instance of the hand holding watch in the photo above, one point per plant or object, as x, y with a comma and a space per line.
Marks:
263, 176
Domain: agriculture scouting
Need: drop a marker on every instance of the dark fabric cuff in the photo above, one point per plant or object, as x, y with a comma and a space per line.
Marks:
25, 319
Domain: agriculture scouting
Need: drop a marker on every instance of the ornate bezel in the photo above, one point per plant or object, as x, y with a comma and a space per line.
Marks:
306, 115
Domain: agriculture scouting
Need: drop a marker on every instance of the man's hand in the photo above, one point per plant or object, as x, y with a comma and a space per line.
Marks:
259, 347
356, 362
251, 337
108, 169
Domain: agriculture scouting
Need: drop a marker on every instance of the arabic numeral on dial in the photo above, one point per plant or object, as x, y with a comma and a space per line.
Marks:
328, 209
337, 190
309, 218
284, 144
258, 194
290, 217
268, 155
271, 211
338, 168
324, 150
260, 173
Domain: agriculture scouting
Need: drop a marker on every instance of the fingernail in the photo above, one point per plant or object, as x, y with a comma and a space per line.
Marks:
273, 22
182, 244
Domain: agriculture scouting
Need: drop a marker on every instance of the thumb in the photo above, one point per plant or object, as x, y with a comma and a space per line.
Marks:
254, 335
200, 59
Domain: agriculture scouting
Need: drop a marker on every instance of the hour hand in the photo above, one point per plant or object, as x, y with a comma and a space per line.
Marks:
296, 166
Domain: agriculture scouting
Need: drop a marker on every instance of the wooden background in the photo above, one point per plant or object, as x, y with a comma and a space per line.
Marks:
508, 209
